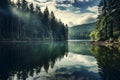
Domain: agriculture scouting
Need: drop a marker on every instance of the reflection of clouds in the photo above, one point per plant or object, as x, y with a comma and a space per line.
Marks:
73, 60
73, 66
77, 67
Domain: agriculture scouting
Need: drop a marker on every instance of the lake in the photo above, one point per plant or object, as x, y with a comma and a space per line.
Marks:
72, 60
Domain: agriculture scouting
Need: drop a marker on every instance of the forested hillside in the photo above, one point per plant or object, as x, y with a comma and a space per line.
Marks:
81, 31
108, 21
26, 21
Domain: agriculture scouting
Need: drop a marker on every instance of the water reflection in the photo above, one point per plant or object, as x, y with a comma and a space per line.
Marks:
79, 47
78, 67
23, 60
59, 61
108, 59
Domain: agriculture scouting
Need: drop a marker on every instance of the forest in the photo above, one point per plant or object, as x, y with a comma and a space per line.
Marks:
81, 31
26, 21
107, 25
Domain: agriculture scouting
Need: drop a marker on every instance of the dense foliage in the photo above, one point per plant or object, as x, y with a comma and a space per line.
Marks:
26, 21
108, 27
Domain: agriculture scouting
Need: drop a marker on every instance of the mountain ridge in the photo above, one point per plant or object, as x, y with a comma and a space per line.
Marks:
81, 31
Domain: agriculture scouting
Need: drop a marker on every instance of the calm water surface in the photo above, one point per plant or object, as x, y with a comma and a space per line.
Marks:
75, 60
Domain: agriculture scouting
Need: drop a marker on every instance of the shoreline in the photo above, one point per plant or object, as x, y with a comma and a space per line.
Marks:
105, 43
100, 43
29, 41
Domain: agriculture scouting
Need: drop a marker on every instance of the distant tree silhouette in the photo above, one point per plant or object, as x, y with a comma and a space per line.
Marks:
31, 8
24, 5
18, 4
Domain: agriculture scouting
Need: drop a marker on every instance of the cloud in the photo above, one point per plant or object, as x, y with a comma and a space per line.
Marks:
93, 9
69, 13
88, 18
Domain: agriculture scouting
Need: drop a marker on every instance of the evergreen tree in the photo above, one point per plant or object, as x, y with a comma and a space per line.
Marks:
66, 32
46, 16
31, 8
53, 24
35, 24
37, 9
45, 21
18, 4
24, 5
107, 21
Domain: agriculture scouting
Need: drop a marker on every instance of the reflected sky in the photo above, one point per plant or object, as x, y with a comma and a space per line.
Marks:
71, 66
48, 61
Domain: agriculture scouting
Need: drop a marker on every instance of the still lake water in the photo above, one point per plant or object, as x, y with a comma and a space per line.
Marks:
72, 60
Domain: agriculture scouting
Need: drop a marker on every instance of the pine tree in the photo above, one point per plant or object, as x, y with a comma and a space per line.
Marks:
53, 24
45, 21
46, 16
38, 25
24, 5
108, 21
37, 9
18, 4
31, 8
40, 14
66, 32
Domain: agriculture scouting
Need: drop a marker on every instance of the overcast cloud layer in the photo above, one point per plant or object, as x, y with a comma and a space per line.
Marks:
82, 12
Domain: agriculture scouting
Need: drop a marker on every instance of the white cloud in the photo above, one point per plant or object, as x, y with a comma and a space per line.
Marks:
71, 16
76, 19
93, 9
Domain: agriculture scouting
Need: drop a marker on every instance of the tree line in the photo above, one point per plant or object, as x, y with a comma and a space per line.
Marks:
80, 35
26, 21
107, 25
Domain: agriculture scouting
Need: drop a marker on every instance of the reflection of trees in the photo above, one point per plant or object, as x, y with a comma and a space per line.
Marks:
79, 47
28, 59
108, 59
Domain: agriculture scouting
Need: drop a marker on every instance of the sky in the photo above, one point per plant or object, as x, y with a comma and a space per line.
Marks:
71, 13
